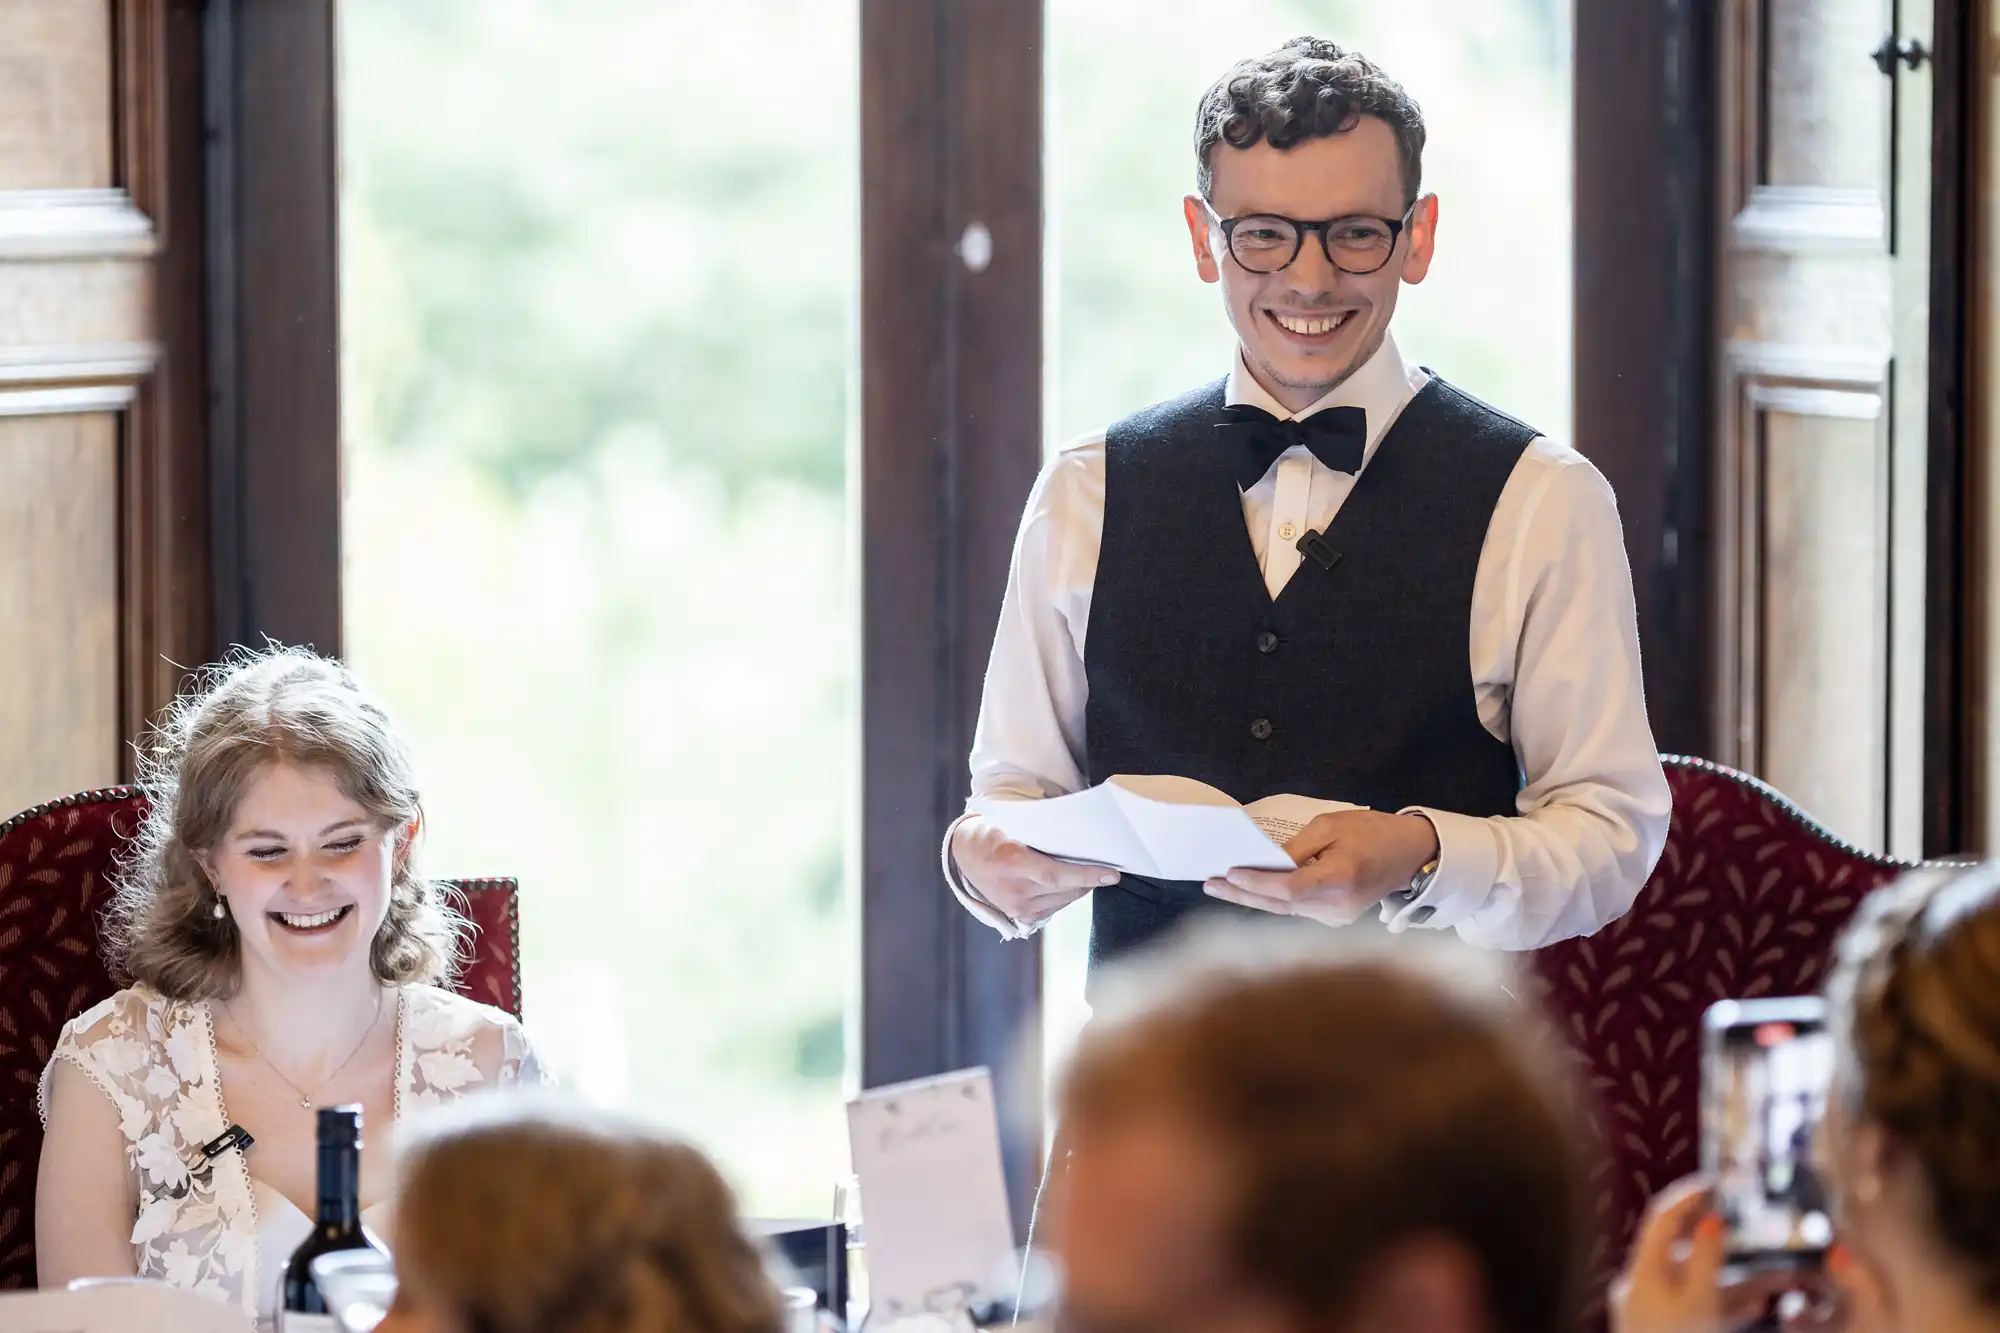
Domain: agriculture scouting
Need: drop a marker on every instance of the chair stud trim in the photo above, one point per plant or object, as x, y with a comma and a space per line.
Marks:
1788, 808
91, 797
467, 886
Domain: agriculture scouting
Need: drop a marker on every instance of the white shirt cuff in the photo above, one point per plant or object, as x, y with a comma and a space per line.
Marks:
970, 899
1468, 862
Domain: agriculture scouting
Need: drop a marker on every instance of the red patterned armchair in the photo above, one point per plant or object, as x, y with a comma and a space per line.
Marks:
1747, 900
55, 863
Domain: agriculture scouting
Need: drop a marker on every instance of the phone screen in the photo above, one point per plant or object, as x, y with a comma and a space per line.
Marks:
1767, 1065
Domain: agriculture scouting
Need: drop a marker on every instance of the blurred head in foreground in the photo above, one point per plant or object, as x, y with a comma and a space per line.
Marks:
1269, 1137
1910, 1145
528, 1215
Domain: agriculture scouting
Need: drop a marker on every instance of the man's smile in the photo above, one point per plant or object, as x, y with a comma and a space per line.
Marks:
1311, 328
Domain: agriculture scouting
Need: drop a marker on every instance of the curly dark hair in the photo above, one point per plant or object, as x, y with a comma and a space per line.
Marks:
1914, 998
1309, 88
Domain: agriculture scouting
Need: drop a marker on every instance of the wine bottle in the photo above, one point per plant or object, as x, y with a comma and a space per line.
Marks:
338, 1226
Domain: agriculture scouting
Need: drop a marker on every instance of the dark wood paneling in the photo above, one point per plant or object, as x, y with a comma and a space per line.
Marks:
1644, 254
1953, 613
274, 347
1646, 338
951, 440
165, 565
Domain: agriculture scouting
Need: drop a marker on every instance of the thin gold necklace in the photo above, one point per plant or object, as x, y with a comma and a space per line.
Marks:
306, 1098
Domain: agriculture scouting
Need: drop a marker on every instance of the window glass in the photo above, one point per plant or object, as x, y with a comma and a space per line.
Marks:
598, 263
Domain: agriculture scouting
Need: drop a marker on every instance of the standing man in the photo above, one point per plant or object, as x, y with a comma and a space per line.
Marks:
1329, 573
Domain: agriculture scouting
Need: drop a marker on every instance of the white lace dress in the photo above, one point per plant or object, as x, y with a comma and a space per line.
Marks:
155, 1059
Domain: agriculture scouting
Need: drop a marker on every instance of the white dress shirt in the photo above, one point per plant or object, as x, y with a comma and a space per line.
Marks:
1553, 651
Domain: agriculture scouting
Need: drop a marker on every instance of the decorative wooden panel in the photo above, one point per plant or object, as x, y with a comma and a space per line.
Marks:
1820, 398
58, 605
1823, 598
55, 95
1825, 108
97, 533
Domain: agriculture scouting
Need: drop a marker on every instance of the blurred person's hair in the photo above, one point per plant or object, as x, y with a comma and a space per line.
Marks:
1308, 88
525, 1213
1914, 997
1363, 1094
252, 710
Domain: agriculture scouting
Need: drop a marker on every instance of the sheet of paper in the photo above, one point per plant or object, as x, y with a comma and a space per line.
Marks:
1282, 817
1084, 826
933, 1199
1199, 841
1159, 825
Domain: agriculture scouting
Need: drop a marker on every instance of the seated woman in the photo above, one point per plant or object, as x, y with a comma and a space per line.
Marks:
284, 952
1909, 1150
516, 1215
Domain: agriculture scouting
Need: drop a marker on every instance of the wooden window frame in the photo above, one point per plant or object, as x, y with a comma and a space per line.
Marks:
951, 411
268, 78
950, 389
168, 560
1644, 263
951, 440
1955, 594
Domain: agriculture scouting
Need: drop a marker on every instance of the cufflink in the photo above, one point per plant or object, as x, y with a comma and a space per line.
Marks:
1419, 884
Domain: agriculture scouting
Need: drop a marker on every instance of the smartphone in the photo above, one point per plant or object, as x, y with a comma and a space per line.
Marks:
1766, 1066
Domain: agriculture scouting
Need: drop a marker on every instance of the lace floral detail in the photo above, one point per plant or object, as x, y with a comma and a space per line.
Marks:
155, 1059
452, 1046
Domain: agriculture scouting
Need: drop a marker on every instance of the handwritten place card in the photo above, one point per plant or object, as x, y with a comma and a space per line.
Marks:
933, 1200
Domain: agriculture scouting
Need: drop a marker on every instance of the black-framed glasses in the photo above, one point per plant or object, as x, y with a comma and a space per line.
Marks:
1269, 242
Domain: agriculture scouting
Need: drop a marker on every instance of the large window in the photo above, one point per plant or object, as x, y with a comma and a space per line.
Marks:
597, 265
598, 269
1131, 322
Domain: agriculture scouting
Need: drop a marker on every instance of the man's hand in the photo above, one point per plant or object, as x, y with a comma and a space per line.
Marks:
1348, 862
1017, 879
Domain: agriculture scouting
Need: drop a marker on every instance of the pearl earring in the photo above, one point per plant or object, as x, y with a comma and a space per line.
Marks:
218, 911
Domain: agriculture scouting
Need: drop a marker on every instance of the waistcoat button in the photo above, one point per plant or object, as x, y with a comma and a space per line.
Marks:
1267, 642
1261, 729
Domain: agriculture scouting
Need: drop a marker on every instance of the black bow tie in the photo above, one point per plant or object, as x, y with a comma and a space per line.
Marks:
1252, 439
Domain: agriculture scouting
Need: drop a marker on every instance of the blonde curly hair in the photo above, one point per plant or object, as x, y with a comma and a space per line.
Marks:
1914, 999
251, 710
526, 1214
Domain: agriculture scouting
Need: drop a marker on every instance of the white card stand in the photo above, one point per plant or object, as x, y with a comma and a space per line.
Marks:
119, 1307
933, 1200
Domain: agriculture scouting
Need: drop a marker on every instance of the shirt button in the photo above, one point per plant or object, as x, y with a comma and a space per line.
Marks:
1261, 729
1287, 531
1267, 642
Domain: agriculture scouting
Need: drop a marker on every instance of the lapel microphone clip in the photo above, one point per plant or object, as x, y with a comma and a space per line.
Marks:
201, 1162
1315, 547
